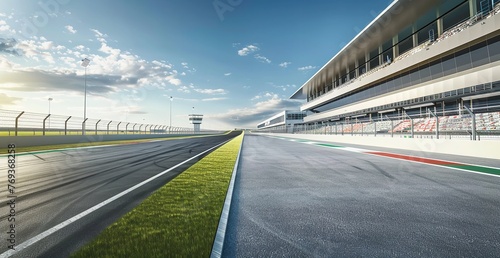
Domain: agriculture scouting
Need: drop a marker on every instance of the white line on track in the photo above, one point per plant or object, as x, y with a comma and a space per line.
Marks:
67, 222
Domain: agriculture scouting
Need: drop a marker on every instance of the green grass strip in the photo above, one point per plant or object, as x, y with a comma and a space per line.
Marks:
486, 170
178, 220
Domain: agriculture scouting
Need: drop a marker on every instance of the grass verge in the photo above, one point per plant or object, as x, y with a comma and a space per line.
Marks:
180, 219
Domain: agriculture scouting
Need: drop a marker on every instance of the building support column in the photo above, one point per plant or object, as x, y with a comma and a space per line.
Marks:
439, 24
473, 7
395, 49
380, 56
414, 35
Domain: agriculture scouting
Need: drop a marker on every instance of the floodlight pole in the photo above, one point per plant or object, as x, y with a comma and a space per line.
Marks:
85, 99
85, 63
170, 117
50, 99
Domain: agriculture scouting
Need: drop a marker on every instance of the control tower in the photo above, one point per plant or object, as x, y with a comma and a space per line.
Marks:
195, 119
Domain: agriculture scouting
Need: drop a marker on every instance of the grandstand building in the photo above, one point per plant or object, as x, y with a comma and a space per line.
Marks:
283, 121
437, 55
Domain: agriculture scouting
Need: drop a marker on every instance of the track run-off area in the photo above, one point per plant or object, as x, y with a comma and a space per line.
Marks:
291, 197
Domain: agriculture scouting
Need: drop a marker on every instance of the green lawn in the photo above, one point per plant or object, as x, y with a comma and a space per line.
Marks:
180, 219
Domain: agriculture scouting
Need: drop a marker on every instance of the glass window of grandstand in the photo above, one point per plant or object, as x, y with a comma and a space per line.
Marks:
456, 16
479, 54
294, 116
494, 48
387, 54
343, 77
427, 27
361, 66
374, 59
352, 71
405, 40
277, 120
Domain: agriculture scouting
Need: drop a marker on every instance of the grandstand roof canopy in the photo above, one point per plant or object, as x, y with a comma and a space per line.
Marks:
388, 23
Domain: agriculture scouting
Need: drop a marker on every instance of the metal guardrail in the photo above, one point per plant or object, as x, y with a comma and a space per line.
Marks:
15, 123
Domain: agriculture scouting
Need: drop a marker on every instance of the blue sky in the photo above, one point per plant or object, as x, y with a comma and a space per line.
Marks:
235, 61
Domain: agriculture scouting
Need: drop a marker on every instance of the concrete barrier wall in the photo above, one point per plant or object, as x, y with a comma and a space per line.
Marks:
482, 149
29, 141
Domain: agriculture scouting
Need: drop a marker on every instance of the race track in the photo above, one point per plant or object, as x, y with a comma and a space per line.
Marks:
53, 186
306, 200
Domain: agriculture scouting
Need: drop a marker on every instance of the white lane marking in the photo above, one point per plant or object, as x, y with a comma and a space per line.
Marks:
67, 222
354, 149
221, 229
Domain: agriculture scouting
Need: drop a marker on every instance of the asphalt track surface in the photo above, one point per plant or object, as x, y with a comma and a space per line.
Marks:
55, 186
298, 200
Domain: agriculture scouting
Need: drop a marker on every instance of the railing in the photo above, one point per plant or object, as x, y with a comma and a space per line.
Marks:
467, 123
20, 123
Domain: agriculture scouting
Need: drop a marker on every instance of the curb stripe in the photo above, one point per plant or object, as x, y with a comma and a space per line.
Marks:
416, 159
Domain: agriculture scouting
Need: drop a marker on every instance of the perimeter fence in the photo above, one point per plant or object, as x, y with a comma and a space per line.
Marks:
20, 123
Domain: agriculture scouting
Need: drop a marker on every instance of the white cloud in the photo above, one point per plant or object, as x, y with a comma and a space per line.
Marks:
174, 81
265, 95
99, 35
112, 70
227, 74
81, 48
263, 59
6, 100
247, 50
185, 65
47, 45
183, 89
283, 87
4, 63
285, 64
213, 99
269, 104
211, 91
305, 68
70, 29
4, 27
